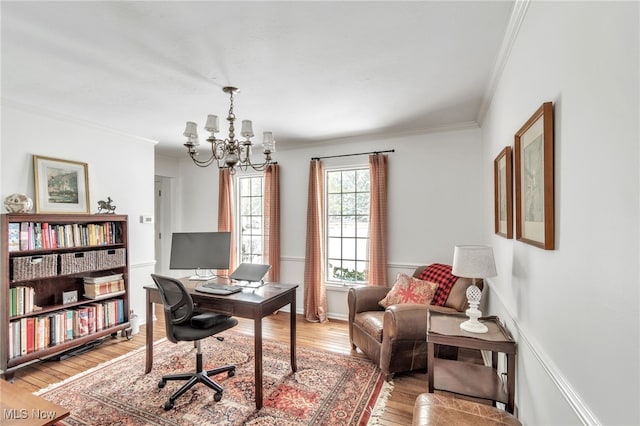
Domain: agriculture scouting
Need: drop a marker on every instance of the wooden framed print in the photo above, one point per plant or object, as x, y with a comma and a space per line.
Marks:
534, 179
61, 186
503, 193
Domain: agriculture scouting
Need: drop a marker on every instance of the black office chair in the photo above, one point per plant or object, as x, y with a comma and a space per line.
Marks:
183, 323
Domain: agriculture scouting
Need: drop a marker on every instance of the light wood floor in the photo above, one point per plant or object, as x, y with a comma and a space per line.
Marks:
333, 336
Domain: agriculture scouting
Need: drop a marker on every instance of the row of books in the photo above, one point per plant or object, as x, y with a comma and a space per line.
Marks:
42, 235
32, 334
22, 300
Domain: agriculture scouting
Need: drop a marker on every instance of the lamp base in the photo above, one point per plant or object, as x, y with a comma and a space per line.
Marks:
474, 326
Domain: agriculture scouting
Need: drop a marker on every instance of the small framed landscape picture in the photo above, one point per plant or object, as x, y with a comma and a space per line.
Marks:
534, 179
503, 189
61, 186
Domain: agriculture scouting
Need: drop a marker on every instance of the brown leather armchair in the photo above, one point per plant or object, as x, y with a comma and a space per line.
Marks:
395, 338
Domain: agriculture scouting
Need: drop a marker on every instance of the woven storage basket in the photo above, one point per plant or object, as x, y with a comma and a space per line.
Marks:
112, 258
71, 263
32, 267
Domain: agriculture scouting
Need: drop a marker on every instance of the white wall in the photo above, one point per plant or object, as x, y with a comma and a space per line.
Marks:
435, 188
189, 202
120, 166
575, 309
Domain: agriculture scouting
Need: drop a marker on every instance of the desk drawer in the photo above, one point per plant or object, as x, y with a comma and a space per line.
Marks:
216, 305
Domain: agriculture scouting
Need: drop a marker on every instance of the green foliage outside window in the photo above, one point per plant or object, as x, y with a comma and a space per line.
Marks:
345, 274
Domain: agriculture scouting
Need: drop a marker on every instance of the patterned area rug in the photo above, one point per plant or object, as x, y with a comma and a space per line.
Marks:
328, 388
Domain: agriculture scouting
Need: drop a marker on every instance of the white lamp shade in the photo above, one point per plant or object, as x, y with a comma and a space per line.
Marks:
473, 261
212, 124
268, 143
191, 131
247, 129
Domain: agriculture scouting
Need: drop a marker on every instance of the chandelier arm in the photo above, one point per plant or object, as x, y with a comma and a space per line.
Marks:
199, 163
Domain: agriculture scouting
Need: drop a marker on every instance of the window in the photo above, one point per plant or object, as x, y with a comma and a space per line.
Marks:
347, 229
250, 223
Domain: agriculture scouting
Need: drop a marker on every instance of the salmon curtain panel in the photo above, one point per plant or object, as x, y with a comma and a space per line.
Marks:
272, 221
315, 294
225, 213
377, 273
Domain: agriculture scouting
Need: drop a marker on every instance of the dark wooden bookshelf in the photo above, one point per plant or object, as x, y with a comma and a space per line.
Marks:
49, 287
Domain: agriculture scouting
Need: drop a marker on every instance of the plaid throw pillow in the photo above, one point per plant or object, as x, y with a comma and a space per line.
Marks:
441, 275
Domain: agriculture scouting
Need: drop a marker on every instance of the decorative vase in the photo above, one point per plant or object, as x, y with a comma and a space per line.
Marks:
18, 203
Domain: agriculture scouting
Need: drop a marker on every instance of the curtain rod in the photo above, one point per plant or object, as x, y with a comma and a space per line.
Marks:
351, 155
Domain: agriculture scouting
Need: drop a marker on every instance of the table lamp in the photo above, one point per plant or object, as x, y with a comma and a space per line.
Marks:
473, 262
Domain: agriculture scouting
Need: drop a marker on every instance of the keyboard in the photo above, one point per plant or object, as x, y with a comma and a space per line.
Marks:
221, 289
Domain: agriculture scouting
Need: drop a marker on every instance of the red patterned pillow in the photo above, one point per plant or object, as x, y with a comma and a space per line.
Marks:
408, 289
441, 275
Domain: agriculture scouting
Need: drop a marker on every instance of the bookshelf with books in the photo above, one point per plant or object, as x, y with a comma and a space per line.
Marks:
65, 283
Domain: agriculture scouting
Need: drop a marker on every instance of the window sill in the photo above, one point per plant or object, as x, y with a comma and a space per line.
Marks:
342, 287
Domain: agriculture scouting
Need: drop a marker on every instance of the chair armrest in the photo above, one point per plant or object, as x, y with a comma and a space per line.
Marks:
406, 321
363, 299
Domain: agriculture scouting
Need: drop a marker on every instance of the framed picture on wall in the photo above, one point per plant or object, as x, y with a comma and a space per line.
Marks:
503, 193
61, 186
534, 179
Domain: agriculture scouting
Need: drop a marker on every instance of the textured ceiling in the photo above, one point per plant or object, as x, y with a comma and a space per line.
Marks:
308, 71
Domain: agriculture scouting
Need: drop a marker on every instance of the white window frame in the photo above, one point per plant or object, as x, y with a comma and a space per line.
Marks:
239, 216
326, 272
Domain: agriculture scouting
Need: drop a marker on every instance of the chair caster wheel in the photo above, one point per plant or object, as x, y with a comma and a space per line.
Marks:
168, 405
231, 373
217, 396
162, 383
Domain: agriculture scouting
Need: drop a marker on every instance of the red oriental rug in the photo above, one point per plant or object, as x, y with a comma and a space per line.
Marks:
328, 388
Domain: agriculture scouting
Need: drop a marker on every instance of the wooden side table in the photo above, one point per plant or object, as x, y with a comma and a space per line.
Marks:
466, 378
22, 408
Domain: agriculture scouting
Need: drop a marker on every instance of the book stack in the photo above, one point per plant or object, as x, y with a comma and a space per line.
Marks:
21, 300
104, 286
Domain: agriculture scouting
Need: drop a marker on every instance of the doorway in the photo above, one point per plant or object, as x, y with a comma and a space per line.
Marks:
163, 222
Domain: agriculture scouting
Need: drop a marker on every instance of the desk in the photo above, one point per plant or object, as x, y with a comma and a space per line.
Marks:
252, 303
467, 378
22, 408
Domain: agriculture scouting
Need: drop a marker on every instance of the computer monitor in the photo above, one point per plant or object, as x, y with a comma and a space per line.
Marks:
201, 251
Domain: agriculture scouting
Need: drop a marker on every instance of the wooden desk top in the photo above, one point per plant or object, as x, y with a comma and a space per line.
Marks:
249, 303
248, 294
20, 407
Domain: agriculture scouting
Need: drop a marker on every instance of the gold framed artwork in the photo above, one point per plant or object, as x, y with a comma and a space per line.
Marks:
534, 179
503, 193
61, 186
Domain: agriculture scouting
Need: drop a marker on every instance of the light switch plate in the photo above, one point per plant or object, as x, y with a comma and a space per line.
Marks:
146, 219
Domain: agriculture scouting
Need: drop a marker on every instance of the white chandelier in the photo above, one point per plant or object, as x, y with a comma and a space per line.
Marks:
229, 152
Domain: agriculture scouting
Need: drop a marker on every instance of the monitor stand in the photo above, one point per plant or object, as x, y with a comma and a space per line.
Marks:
202, 276
250, 284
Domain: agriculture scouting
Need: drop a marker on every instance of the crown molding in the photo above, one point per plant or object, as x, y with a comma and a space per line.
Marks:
70, 119
380, 135
510, 35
